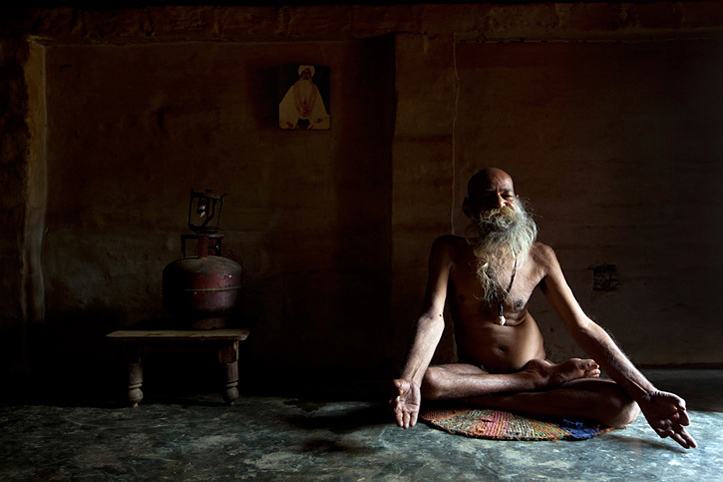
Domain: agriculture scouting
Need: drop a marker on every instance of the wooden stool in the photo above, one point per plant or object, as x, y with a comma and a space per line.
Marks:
136, 342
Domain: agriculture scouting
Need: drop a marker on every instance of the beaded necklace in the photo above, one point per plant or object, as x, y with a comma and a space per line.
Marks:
501, 320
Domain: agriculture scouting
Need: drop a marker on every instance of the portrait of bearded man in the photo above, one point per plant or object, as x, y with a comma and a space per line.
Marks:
302, 106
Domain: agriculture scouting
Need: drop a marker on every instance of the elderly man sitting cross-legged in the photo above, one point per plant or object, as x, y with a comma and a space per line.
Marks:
488, 282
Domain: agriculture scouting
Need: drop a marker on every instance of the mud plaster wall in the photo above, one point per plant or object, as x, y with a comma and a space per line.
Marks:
14, 140
307, 213
617, 146
334, 227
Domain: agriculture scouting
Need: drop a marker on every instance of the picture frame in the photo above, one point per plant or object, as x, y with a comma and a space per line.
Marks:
304, 97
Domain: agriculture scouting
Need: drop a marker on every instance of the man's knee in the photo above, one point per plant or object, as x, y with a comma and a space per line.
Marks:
627, 412
433, 383
617, 408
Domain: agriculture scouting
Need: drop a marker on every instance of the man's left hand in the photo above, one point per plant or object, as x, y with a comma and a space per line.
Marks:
405, 403
666, 413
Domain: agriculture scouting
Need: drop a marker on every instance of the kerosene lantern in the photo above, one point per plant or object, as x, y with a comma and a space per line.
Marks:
202, 291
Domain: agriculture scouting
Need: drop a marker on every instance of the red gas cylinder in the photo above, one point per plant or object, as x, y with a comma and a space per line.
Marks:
202, 291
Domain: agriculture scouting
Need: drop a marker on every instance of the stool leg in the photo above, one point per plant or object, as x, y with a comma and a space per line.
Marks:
228, 356
132, 356
135, 382
231, 393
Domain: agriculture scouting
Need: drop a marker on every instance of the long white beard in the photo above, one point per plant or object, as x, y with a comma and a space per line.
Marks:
505, 239
305, 89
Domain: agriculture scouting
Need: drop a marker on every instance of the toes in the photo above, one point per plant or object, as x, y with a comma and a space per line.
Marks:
593, 372
590, 363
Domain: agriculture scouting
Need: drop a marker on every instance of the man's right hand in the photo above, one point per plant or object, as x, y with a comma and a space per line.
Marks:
406, 402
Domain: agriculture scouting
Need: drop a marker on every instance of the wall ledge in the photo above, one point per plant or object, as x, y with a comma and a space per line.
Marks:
596, 21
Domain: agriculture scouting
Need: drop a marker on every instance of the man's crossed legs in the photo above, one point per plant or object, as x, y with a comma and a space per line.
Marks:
570, 389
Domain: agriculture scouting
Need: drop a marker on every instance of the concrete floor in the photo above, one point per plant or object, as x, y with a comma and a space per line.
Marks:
323, 438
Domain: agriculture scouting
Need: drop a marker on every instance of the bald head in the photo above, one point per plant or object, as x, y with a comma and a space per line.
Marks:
485, 179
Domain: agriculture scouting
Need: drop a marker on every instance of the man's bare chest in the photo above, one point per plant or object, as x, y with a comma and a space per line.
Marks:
466, 294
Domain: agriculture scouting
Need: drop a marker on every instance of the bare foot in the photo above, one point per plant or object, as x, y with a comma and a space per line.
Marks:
548, 374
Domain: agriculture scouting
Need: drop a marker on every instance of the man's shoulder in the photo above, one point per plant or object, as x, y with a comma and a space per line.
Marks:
450, 241
543, 255
541, 250
449, 246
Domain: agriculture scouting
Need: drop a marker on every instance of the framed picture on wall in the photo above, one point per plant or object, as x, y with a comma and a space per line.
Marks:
304, 97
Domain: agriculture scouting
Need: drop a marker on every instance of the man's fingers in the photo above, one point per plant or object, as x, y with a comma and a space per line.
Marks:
399, 412
689, 438
683, 416
399, 417
679, 434
413, 419
680, 440
684, 439
402, 386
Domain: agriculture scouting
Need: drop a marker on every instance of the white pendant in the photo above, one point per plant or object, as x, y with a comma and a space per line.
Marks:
501, 320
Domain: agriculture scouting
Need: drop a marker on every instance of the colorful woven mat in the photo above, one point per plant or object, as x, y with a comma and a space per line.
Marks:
501, 425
